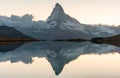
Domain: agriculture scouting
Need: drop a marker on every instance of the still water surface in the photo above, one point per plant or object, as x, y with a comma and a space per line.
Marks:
59, 60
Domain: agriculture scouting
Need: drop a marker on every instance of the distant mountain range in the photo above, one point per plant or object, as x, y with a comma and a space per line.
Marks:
58, 25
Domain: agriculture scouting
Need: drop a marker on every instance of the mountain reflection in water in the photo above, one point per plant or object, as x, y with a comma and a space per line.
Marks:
57, 53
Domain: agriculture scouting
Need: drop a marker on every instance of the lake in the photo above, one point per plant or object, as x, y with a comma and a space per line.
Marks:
59, 60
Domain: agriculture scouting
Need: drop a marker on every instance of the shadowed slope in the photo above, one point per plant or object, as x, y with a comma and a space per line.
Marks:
11, 34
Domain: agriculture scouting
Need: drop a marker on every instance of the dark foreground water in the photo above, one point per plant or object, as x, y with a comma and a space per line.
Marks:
59, 60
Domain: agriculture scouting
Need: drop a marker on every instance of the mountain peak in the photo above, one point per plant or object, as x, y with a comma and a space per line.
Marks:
58, 5
58, 9
57, 12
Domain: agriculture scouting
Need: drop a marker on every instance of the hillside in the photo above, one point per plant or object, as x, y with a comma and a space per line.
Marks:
113, 40
11, 34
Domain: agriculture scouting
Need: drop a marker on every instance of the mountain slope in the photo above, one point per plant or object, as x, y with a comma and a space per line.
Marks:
113, 40
59, 18
10, 33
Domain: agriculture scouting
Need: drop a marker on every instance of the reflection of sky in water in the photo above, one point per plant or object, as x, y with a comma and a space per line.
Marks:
30, 60
86, 66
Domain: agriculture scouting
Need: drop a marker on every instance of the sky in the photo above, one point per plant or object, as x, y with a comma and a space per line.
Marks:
85, 11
